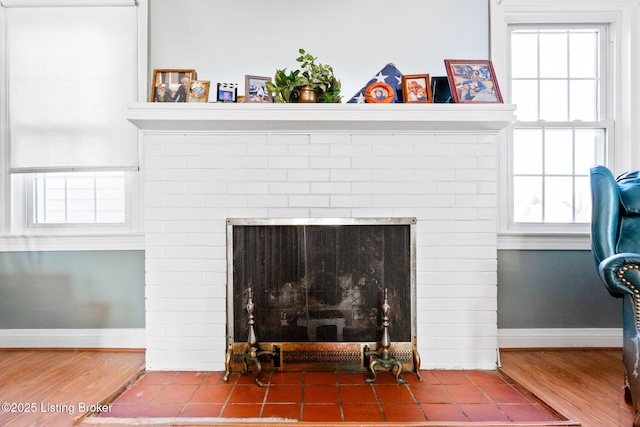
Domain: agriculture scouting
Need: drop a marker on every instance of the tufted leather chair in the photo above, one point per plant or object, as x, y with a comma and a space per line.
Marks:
615, 244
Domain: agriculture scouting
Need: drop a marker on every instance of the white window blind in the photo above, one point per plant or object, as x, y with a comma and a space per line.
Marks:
71, 73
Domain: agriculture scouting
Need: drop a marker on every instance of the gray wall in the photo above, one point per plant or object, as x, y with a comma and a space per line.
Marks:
553, 289
72, 290
105, 289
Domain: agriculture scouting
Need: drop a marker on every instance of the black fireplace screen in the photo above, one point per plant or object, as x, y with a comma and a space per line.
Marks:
322, 283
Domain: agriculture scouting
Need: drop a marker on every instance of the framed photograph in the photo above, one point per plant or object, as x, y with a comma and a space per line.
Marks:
379, 93
416, 88
171, 85
198, 91
441, 90
227, 92
255, 89
472, 81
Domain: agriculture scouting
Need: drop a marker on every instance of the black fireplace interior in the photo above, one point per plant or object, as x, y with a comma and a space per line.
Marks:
322, 283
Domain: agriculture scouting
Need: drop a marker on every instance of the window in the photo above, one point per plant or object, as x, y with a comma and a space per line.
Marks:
69, 162
98, 198
559, 82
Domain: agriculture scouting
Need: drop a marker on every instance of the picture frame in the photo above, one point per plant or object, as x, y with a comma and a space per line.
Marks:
198, 91
416, 88
255, 89
170, 85
379, 93
441, 90
227, 92
472, 81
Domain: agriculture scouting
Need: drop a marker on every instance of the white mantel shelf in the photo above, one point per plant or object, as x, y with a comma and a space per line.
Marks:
329, 118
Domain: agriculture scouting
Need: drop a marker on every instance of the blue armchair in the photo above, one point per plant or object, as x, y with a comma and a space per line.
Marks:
615, 244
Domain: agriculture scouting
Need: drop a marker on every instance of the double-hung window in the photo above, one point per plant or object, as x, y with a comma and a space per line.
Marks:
559, 81
70, 153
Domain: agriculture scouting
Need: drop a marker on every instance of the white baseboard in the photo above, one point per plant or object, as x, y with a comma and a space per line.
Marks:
549, 338
136, 338
72, 338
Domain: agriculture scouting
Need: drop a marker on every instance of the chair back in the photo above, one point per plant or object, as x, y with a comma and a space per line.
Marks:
615, 215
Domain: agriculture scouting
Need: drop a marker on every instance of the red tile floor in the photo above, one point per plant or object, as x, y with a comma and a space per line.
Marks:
330, 397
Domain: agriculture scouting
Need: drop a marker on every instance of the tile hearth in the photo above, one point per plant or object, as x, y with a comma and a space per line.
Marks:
329, 397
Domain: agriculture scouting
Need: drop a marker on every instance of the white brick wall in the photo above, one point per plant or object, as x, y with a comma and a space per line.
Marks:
195, 181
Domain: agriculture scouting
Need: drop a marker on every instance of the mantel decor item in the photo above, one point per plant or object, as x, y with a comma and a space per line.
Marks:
171, 85
472, 81
441, 90
255, 89
227, 92
391, 79
313, 82
198, 91
416, 88
379, 93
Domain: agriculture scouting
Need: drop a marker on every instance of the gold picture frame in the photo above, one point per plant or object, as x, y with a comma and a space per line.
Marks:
198, 91
171, 85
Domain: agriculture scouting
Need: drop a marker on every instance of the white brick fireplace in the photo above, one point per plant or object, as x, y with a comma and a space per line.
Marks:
204, 163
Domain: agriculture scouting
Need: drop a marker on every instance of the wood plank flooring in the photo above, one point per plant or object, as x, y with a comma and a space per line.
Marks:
583, 385
50, 387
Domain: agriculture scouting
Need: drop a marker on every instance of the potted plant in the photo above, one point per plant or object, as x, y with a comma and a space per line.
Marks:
285, 86
313, 82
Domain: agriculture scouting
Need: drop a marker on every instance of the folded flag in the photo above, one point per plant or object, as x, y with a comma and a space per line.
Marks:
384, 87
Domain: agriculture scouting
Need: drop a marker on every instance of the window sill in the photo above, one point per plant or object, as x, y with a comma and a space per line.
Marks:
544, 241
71, 242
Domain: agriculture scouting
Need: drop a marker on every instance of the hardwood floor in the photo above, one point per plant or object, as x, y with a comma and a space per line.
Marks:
583, 385
52, 387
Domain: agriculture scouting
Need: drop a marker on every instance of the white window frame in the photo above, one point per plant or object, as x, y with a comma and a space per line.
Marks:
619, 16
15, 233
23, 211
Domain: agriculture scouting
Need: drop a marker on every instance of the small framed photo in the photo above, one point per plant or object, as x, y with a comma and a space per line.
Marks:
171, 85
255, 89
472, 81
416, 88
379, 93
227, 92
198, 91
441, 90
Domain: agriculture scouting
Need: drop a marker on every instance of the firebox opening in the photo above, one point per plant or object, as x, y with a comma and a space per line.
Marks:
320, 282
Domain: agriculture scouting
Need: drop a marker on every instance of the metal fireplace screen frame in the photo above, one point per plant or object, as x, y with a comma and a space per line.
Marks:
317, 289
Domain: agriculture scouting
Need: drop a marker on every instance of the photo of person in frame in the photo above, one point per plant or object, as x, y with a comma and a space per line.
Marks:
417, 90
225, 96
257, 91
171, 85
474, 82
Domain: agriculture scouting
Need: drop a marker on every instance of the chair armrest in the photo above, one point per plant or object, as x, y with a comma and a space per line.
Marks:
621, 273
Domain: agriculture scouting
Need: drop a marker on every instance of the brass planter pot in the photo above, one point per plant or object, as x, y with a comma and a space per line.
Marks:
307, 95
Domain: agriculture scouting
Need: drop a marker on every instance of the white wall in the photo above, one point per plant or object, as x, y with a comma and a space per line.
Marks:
224, 40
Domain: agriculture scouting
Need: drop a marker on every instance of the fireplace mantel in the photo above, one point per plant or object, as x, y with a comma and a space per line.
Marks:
321, 118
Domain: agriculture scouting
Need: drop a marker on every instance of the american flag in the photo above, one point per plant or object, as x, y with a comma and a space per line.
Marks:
389, 75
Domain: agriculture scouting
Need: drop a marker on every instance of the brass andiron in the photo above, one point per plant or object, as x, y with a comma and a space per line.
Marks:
252, 355
382, 359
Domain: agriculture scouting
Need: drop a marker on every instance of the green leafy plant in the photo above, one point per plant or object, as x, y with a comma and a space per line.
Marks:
285, 85
318, 76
